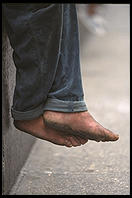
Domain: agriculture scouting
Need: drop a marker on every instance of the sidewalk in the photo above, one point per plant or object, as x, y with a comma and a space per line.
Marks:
94, 168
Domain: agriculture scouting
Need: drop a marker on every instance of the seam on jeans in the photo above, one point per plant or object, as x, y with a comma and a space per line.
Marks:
68, 87
44, 8
66, 110
60, 43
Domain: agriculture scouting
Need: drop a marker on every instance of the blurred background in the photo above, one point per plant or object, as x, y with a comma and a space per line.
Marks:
105, 56
95, 168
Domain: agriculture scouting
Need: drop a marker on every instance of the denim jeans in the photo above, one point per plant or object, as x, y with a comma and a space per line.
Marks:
45, 42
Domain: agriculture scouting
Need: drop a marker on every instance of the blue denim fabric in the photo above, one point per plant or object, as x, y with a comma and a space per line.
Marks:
45, 41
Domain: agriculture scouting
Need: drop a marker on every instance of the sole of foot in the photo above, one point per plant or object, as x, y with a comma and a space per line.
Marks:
37, 128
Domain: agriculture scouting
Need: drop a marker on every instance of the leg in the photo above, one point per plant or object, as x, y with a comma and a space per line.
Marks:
65, 109
31, 29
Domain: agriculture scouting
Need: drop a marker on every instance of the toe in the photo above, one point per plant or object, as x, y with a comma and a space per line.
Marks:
68, 143
75, 141
110, 136
82, 140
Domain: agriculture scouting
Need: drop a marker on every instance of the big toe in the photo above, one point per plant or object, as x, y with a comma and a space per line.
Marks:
110, 136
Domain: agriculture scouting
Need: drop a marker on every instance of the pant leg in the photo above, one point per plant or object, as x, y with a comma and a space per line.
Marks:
66, 93
46, 56
34, 31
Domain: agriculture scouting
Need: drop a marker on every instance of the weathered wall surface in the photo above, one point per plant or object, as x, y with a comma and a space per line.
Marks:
16, 145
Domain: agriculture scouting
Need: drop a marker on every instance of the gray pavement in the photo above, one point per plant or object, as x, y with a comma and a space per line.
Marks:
94, 168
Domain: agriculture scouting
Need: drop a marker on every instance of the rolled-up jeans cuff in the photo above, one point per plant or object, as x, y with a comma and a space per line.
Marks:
27, 115
52, 105
64, 106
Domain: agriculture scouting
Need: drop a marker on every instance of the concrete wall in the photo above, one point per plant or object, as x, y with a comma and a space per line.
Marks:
16, 145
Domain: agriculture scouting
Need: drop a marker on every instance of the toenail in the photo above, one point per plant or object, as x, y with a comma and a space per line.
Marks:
68, 143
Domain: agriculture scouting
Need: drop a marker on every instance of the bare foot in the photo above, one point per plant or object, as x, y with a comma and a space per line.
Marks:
37, 128
79, 124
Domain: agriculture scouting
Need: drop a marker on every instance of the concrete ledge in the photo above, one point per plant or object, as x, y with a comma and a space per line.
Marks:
16, 145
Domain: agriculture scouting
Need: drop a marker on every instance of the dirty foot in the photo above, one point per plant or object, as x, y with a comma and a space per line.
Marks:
37, 128
80, 124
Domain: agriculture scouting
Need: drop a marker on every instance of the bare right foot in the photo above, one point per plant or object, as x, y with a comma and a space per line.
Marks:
80, 124
37, 128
